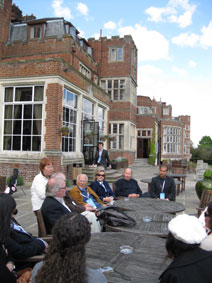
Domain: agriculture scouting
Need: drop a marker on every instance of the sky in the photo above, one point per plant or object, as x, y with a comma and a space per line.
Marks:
174, 42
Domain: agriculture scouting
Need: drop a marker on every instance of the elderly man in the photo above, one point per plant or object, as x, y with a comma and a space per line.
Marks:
84, 195
128, 187
57, 203
163, 186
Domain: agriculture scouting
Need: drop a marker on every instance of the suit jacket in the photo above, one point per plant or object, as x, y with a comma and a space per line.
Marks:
75, 193
192, 266
100, 191
105, 160
169, 188
21, 245
52, 210
5, 274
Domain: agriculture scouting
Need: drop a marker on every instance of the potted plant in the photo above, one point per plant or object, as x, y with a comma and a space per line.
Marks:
205, 183
64, 131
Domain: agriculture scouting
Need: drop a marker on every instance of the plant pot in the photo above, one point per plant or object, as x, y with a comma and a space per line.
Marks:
202, 185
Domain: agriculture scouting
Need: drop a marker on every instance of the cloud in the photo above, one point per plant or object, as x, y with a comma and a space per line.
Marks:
110, 25
192, 64
186, 39
82, 8
203, 40
183, 95
151, 44
60, 11
176, 11
206, 38
180, 71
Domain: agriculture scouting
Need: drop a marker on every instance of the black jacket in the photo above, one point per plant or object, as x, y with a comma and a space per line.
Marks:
100, 191
21, 245
105, 160
5, 274
123, 187
169, 188
194, 266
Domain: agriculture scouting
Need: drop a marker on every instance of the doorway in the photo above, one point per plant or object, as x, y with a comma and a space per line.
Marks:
143, 148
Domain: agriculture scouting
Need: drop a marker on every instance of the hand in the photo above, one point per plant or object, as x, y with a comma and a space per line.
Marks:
10, 265
108, 199
88, 207
133, 196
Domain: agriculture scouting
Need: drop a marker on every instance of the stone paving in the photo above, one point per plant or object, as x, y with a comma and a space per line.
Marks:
189, 198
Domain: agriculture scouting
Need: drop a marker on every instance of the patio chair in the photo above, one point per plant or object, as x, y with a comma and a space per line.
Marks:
41, 226
205, 199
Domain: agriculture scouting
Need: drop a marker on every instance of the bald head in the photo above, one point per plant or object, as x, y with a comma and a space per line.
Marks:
127, 174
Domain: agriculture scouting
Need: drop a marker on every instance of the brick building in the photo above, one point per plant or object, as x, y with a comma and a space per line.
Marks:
172, 134
52, 78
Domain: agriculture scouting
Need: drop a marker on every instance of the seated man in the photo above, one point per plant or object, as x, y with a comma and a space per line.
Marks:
57, 204
128, 187
21, 244
163, 186
84, 195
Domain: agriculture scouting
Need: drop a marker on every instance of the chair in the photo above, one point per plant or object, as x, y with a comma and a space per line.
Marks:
41, 225
205, 199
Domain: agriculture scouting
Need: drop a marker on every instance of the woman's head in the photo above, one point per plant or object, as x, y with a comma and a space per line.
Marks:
7, 207
185, 233
46, 167
208, 216
100, 174
65, 260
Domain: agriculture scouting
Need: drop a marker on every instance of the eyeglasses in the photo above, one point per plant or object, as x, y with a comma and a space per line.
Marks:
100, 175
206, 214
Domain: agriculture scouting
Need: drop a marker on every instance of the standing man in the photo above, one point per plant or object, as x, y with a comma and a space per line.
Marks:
101, 157
163, 186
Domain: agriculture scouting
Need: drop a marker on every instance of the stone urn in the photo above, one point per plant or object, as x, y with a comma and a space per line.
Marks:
205, 183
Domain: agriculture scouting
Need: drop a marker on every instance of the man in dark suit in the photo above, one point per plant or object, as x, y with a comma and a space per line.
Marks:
101, 157
57, 203
163, 186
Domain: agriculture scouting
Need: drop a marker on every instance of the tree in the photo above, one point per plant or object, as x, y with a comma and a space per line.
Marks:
205, 140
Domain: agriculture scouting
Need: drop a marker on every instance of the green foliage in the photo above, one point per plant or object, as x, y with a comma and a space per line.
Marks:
68, 183
208, 174
206, 140
152, 155
20, 181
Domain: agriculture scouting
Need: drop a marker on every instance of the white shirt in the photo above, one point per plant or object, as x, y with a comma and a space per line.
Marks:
38, 191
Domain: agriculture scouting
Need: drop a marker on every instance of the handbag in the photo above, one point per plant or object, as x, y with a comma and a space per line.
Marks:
114, 216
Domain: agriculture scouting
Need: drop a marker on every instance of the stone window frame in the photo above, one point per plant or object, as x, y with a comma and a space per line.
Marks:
116, 130
115, 55
21, 125
84, 70
115, 88
171, 140
33, 31
70, 109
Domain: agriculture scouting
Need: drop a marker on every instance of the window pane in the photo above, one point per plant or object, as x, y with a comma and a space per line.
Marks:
7, 143
103, 84
37, 113
23, 94
8, 94
17, 111
8, 111
109, 84
8, 127
121, 129
121, 142
115, 128
16, 142
121, 94
37, 127
27, 111
38, 96
36, 143
116, 84
17, 127
115, 94
26, 143
120, 56
27, 127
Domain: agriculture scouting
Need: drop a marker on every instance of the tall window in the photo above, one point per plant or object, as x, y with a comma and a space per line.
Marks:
101, 121
115, 88
116, 131
115, 54
23, 118
69, 120
171, 140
